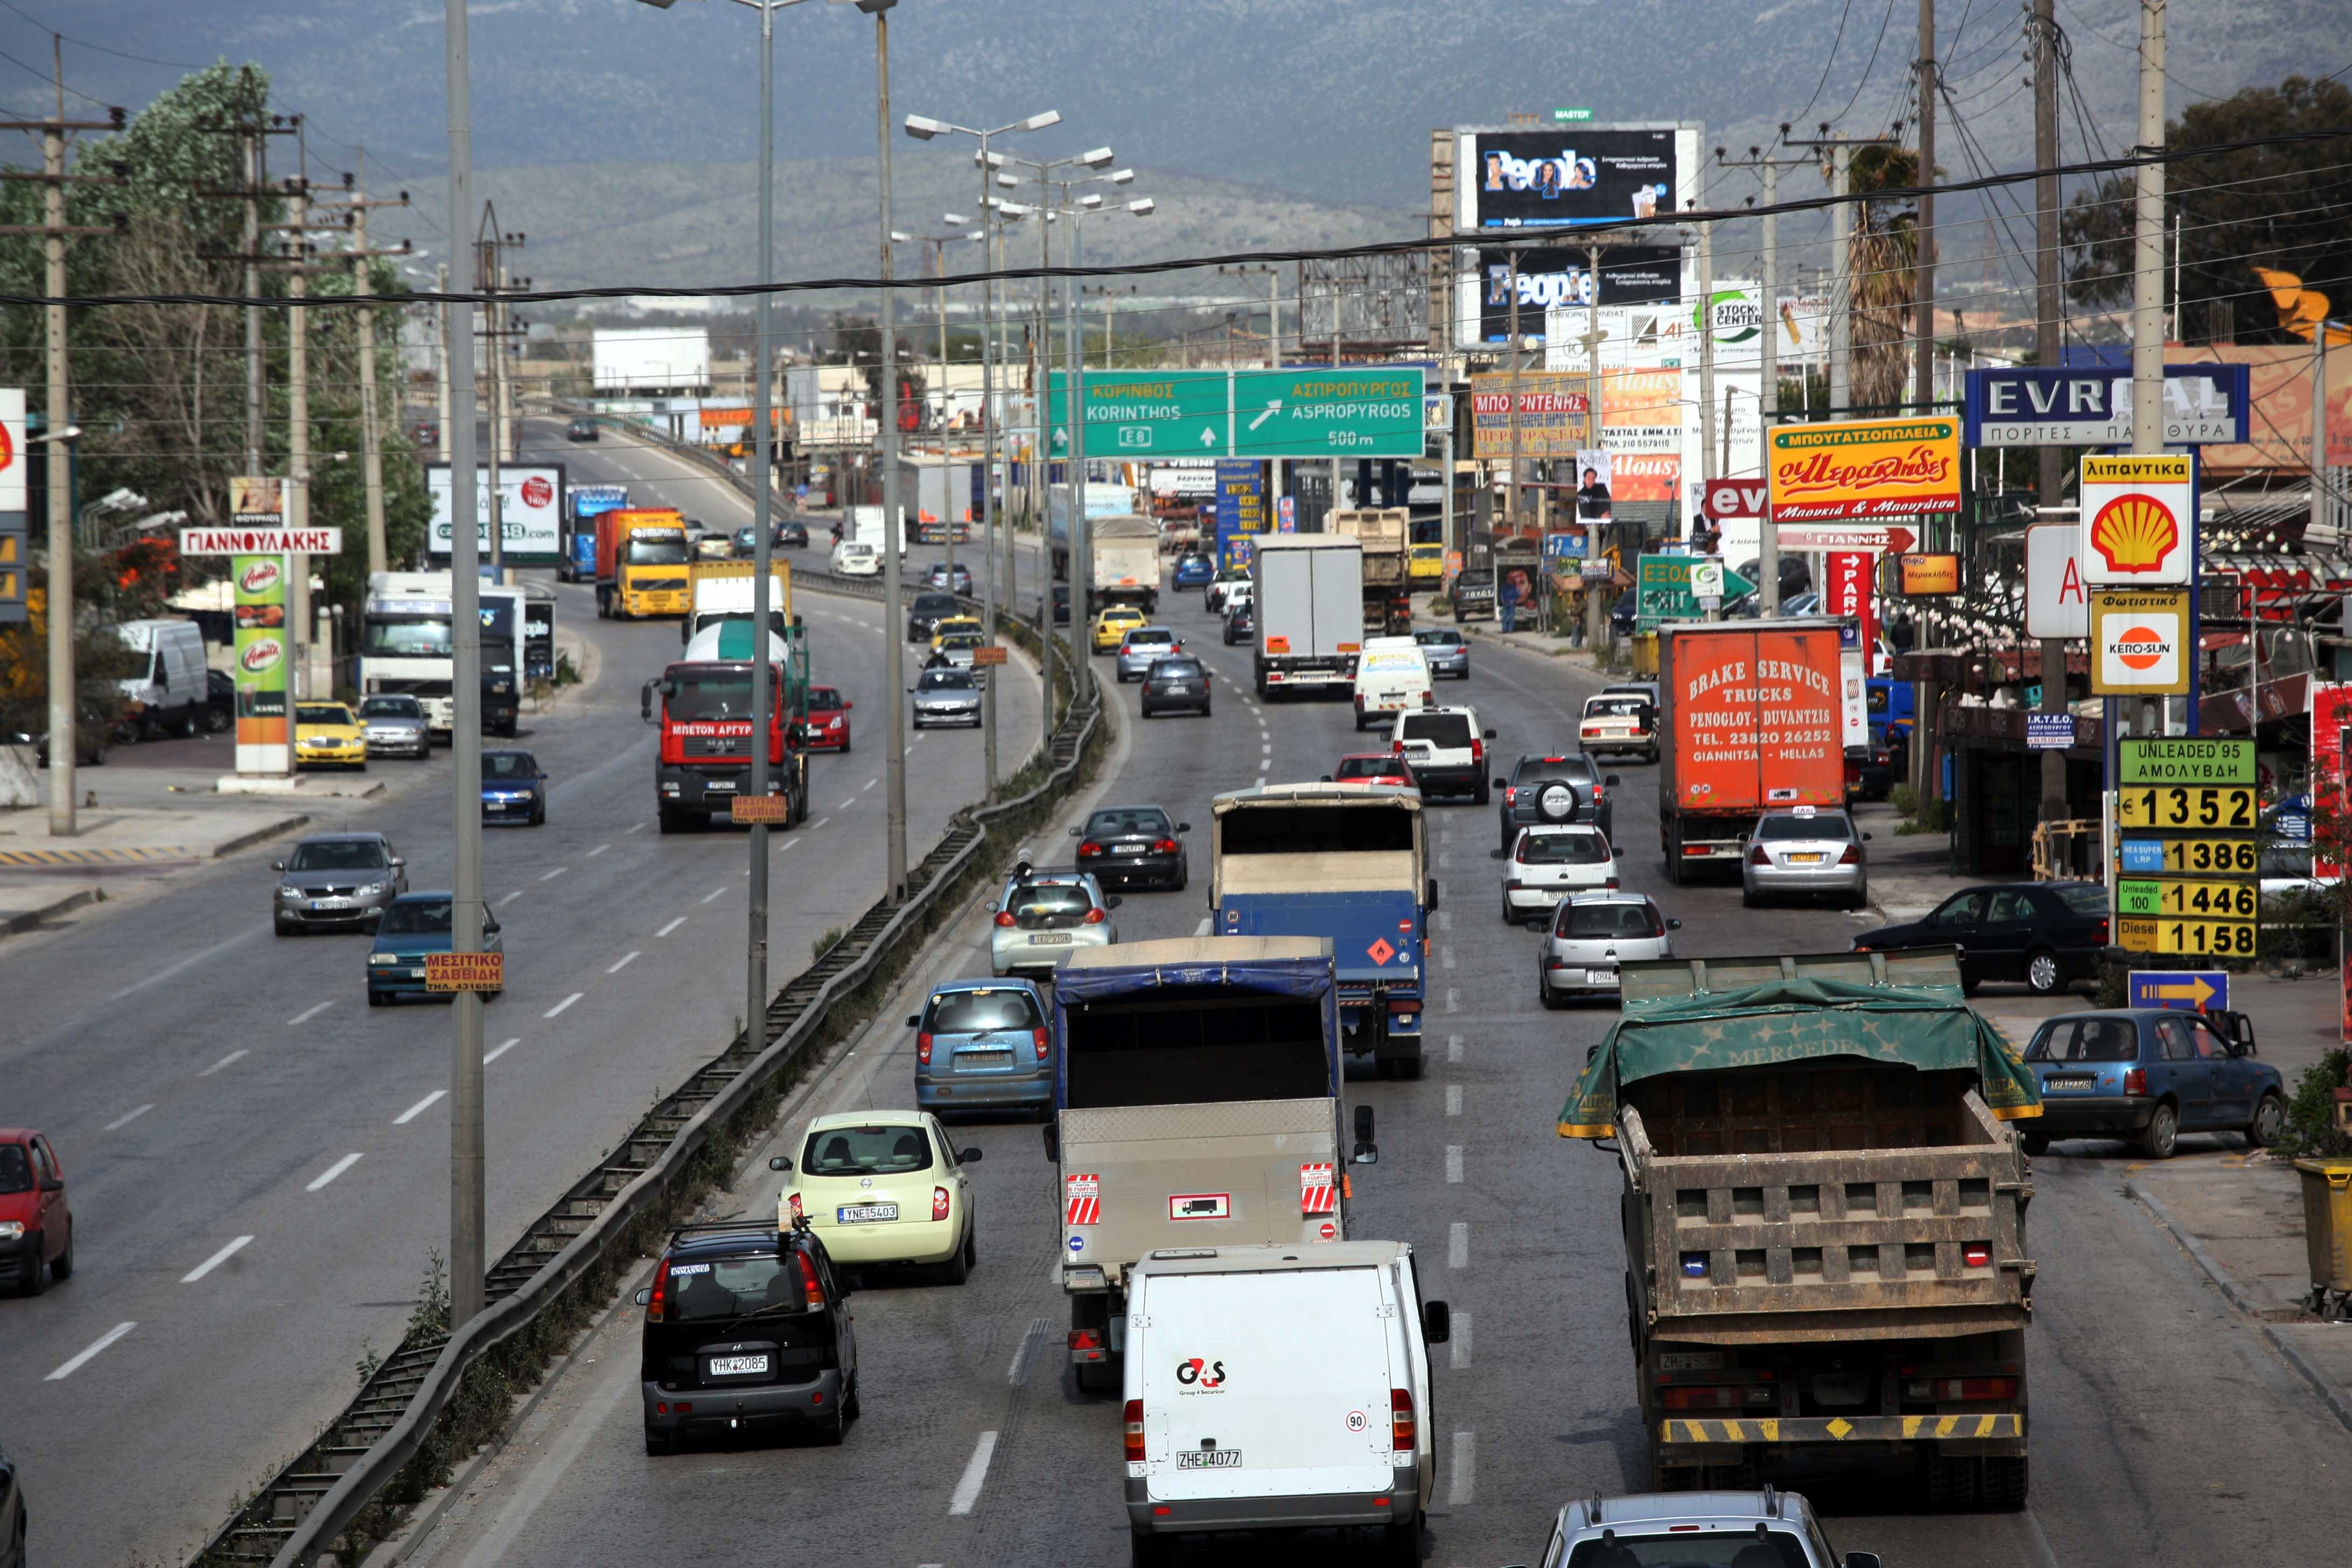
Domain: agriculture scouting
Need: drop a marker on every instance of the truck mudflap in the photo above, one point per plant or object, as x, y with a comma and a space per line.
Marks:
1674, 1431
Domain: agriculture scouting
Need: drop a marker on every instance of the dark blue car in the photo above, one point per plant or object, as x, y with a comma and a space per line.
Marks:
415, 924
983, 1045
2147, 1075
514, 789
1195, 571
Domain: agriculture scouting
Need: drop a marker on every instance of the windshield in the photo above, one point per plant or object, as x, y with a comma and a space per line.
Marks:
1048, 906
1437, 640
337, 854
866, 1151
424, 917
930, 602
1609, 920
391, 707
16, 1169
824, 700
944, 680
508, 765
730, 1287
1368, 768
1128, 822
959, 639
405, 637
2085, 1040
1705, 1549
654, 552
321, 713
712, 695
1827, 825
2084, 899
1448, 730
1562, 849
978, 1012
1614, 708
1144, 636
1176, 669
1543, 770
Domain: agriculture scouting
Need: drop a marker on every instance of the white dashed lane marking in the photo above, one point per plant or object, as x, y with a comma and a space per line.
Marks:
1457, 1244
332, 1172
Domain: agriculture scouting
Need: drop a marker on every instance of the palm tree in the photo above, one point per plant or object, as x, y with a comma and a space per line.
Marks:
1882, 255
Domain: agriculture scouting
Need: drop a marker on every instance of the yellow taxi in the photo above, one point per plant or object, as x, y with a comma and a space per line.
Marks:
1426, 563
1110, 627
882, 1186
328, 734
951, 625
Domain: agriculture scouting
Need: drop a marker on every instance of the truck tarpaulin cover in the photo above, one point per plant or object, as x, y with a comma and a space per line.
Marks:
1186, 999
1929, 1027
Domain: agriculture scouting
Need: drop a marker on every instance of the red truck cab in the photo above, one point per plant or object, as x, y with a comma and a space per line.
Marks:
703, 705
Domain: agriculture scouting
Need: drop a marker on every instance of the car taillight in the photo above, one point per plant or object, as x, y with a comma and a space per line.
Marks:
658, 1303
1756, 857
2135, 1080
1510, 795
1961, 1388
1396, 748
1134, 1419
811, 1290
923, 1048
1401, 1420
1428, 700
1611, 884
1727, 1396
1591, 728
1004, 917
1852, 855
1038, 1040
1977, 1254
2100, 934
939, 1203
1477, 750
1095, 917
1089, 849
1163, 846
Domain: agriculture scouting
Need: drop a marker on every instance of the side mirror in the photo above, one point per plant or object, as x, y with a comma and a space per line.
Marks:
1077, 832
1324, 779
779, 1162
1366, 1154
1488, 733
1672, 924
398, 862
967, 1156
1113, 901
1053, 1141
645, 1296
1183, 828
1591, 1052
848, 706
1502, 783
1611, 780
280, 864
1865, 838
1432, 896
645, 703
53, 1183
914, 1020
1436, 1322
1861, 1559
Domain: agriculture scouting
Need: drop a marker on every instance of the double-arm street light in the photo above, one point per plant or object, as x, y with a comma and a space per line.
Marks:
1074, 352
939, 244
924, 130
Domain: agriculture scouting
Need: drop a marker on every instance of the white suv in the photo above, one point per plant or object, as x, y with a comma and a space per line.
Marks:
1444, 751
1697, 1530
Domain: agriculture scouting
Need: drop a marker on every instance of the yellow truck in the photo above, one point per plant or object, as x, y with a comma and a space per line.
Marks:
721, 591
641, 563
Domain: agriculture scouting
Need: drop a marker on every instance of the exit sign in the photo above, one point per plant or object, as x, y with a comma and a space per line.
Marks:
1571, 115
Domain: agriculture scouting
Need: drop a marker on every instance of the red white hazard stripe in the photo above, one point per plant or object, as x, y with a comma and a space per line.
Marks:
1317, 1192
1082, 1199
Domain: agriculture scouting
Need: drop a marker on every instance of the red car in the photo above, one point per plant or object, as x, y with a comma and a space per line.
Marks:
826, 728
1372, 768
35, 1226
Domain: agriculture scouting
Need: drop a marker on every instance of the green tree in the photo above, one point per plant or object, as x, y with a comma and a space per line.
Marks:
2287, 207
1882, 252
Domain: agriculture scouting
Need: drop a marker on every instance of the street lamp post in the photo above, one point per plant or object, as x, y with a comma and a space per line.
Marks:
923, 130
939, 244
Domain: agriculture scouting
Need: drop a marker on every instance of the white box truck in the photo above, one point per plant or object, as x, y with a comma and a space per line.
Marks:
1279, 1387
1308, 589
1127, 563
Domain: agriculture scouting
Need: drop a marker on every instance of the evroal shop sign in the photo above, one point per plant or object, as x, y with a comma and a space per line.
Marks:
1563, 176
530, 513
1865, 468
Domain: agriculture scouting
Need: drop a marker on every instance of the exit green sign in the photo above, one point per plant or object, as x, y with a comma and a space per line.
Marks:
1571, 115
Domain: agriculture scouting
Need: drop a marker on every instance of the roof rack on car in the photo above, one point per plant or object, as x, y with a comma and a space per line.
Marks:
747, 1226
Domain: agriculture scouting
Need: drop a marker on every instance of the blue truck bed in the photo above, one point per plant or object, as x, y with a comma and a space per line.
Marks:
1377, 951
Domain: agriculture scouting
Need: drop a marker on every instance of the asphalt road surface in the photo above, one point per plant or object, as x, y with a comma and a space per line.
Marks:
2162, 1432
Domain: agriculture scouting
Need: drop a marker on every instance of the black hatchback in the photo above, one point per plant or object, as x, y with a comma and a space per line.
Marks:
1124, 845
582, 429
744, 1331
927, 611
2047, 934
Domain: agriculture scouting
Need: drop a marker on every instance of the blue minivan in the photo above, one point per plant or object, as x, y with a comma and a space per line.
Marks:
983, 1045
2147, 1075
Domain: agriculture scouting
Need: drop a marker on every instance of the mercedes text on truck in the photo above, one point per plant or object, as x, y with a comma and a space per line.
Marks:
1348, 863
703, 704
1824, 1220
1197, 1105
1308, 591
1753, 722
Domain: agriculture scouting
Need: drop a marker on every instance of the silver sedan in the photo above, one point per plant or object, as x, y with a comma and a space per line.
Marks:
1805, 852
946, 696
396, 726
1142, 646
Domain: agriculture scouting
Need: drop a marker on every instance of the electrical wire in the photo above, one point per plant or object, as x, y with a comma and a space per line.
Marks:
1868, 66
97, 48
52, 80
1829, 64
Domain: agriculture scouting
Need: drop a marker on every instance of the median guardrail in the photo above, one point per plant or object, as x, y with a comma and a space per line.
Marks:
309, 1505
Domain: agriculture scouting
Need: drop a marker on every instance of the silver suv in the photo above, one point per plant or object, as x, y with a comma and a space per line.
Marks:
1591, 935
1696, 1529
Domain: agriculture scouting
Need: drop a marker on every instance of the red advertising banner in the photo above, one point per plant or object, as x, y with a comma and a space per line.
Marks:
2331, 716
1847, 578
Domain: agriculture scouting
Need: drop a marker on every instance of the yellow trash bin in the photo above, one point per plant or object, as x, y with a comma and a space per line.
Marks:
2327, 1221
1645, 654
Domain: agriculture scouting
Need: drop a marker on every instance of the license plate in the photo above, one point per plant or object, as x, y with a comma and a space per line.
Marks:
416, 974
1208, 1458
2071, 1082
864, 1213
330, 903
1804, 859
983, 1059
1601, 977
1129, 848
1051, 938
721, 786
737, 1365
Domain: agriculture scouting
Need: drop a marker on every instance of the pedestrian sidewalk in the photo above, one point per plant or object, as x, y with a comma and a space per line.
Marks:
2241, 1219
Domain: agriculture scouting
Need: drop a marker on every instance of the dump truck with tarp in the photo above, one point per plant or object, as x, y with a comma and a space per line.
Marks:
1824, 1221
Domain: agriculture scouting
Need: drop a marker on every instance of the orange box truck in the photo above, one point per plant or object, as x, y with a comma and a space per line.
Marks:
1753, 722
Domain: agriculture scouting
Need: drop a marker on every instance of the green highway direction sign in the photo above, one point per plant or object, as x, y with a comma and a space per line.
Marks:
1371, 411
1662, 590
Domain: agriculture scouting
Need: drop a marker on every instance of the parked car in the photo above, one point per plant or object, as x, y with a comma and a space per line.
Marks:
220, 702
1550, 863
1124, 845
1804, 852
395, 725
1176, 685
1530, 796
36, 1240
334, 879
1446, 748
514, 788
582, 429
1241, 623
983, 1045
744, 1331
1591, 935
945, 697
1616, 723
1770, 1528
2147, 1075
1194, 570
1447, 651
1041, 915
415, 924
826, 727
2050, 935
883, 1187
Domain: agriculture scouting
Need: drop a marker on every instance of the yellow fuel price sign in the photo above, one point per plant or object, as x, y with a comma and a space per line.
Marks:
2219, 939
2203, 900
2212, 808
2153, 853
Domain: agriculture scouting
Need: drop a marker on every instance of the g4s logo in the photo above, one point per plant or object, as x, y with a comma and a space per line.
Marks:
1206, 1374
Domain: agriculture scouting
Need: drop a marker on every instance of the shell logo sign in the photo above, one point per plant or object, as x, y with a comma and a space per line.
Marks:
2137, 519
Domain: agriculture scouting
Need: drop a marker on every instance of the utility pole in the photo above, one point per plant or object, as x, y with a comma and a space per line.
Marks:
358, 203
1841, 281
490, 245
894, 646
1596, 610
2148, 310
1511, 494
54, 230
1767, 560
298, 436
1923, 368
441, 366
2047, 304
1706, 457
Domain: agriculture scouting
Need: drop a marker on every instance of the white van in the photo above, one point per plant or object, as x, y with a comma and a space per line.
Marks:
1279, 1387
169, 692
1392, 678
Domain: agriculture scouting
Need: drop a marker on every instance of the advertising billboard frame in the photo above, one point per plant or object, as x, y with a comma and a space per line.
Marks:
1516, 210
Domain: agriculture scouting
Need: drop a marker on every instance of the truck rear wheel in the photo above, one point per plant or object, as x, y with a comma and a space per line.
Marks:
1146, 1550
2005, 1483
